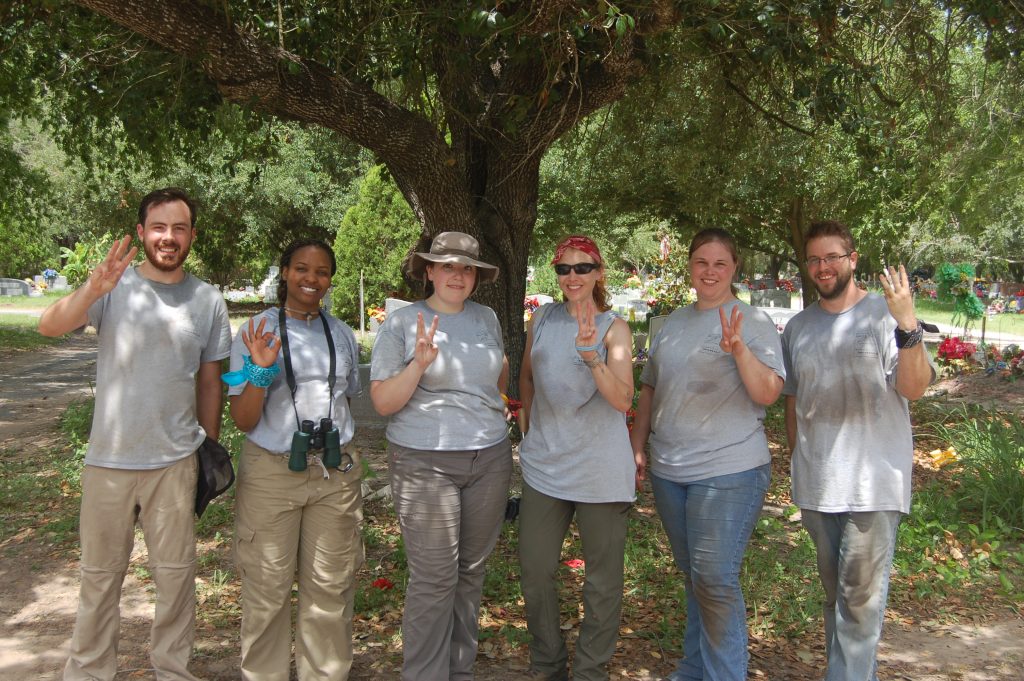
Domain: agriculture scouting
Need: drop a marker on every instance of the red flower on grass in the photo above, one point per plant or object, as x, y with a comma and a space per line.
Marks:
574, 563
383, 583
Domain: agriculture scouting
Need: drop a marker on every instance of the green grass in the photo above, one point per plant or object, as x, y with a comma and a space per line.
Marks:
990, 475
961, 543
942, 313
41, 500
20, 332
30, 303
19, 322
19, 337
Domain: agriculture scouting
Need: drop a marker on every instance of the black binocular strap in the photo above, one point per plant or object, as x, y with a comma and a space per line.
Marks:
290, 375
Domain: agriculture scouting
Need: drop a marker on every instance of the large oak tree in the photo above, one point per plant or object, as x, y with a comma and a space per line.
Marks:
459, 100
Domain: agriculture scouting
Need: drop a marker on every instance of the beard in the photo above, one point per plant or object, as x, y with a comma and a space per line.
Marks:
842, 282
168, 262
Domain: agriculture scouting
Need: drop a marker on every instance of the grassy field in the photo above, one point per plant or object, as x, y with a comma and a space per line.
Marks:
18, 332
942, 313
30, 303
953, 557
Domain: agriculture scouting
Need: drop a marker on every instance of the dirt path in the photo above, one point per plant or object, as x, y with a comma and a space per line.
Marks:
39, 585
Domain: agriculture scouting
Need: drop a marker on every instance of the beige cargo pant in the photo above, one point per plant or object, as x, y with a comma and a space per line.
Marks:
287, 521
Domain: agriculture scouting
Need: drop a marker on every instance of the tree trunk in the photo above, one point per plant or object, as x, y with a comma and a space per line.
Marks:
477, 168
501, 216
797, 218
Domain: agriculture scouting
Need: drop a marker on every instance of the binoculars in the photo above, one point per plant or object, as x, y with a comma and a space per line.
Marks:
310, 436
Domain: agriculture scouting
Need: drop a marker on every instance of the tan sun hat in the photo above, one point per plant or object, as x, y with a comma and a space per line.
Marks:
454, 247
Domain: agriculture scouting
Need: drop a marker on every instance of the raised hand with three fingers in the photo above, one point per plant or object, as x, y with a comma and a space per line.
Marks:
105, 276
426, 351
263, 346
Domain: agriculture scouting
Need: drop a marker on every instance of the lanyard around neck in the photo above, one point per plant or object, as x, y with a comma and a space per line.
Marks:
290, 375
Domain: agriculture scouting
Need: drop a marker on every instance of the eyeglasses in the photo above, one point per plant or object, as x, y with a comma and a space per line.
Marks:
827, 260
562, 269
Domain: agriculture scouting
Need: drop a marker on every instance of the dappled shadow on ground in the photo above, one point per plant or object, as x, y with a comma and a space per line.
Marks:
39, 586
979, 388
37, 386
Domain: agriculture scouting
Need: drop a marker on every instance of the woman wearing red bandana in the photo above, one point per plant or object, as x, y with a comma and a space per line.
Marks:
576, 385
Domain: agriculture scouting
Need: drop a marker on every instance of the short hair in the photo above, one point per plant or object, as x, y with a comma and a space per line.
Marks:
286, 261
159, 197
827, 228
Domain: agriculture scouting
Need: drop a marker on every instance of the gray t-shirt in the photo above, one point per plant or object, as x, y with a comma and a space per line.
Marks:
703, 422
152, 339
577, 447
456, 405
311, 362
854, 448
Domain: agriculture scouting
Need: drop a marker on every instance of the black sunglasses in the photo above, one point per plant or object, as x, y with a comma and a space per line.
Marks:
561, 269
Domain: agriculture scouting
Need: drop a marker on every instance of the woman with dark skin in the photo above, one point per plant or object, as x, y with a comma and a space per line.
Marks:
286, 518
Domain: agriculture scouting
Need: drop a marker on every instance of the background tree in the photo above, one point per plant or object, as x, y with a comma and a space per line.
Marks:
879, 162
22, 244
458, 100
372, 241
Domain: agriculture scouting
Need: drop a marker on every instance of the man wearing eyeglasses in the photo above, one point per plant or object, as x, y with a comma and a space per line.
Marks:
853, 360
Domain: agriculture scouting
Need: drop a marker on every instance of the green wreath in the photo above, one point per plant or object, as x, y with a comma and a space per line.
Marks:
956, 283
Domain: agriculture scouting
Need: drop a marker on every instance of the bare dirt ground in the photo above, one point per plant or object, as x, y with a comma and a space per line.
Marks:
39, 580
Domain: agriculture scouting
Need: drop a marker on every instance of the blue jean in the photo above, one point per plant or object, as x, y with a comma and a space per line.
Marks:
854, 559
708, 523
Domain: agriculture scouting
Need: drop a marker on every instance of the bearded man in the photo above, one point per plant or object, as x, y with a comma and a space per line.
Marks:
853, 360
163, 334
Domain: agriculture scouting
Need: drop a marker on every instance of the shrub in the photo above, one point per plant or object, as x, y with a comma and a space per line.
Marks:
374, 238
991, 450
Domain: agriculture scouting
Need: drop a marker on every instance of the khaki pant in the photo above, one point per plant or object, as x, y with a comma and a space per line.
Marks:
163, 502
288, 520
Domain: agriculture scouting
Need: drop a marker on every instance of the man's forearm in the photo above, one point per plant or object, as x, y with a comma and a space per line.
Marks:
67, 314
209, 398
914, 373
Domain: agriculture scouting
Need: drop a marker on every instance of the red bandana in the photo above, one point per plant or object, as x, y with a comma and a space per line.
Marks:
580, 243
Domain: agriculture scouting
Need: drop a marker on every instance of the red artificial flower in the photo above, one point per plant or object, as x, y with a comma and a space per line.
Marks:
383, 583
574, 563
954, 348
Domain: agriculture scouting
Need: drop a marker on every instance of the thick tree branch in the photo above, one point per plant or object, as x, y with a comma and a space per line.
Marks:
765, 112
268, 79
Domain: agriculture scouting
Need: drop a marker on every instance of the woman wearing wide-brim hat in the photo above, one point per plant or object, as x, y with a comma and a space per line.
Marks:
439, 371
